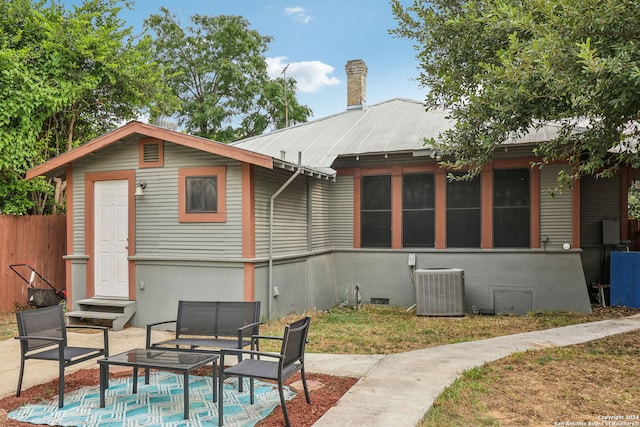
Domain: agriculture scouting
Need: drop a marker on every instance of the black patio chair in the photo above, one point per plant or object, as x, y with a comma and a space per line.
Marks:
43, 336
281, 366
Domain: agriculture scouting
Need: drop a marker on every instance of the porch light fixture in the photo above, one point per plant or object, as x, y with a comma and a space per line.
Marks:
140, 187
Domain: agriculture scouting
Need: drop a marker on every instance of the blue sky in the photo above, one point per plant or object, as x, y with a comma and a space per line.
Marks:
316, 38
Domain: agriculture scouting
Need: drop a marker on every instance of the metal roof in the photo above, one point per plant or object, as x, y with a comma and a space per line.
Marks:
396, 125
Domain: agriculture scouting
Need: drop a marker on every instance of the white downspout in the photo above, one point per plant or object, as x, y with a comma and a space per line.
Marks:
271, 204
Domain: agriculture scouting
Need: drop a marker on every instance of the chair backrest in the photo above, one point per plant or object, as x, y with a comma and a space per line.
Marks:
196, 318
213, 318
44, 322
235, 314
294, 341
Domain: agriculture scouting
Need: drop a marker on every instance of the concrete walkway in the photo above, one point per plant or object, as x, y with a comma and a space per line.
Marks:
392, 390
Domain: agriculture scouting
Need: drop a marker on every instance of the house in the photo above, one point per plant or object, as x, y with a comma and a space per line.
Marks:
307, 217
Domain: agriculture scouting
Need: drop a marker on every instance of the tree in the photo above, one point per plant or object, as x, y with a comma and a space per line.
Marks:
66, 77
218, 71
504, 67
634, 203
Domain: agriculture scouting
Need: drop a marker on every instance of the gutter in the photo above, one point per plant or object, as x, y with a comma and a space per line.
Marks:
297, 172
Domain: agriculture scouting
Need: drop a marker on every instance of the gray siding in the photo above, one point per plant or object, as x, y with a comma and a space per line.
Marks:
555, 210
123, 156
158, 232
78, 212
342, 212
289, 214
599, 199
320, 192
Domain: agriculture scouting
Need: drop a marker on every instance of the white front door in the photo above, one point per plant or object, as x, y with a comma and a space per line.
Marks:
111, 228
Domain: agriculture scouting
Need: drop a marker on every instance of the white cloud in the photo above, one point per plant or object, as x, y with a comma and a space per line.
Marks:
299, 14
311, 76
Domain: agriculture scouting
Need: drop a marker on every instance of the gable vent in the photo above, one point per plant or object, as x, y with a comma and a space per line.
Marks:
151, 153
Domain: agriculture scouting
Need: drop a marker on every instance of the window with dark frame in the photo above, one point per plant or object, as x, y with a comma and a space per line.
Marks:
511, 208
375, 211
464, 213
201, 194
418, 210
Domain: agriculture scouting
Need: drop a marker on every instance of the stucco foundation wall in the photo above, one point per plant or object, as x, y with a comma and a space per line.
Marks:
78, 280
303, 284
495, 281
324, 292
167, 282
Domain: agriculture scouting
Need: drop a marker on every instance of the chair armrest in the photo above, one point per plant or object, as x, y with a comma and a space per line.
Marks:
105, 334
150, 327
251, 352
161, 323
255, 340
38, 337
235, 352
250, 325
266, 337
242, 330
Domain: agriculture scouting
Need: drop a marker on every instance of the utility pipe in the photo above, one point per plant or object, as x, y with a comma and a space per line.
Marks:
271, 204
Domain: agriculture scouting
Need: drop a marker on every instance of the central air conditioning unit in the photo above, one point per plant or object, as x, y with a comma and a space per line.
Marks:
440, 292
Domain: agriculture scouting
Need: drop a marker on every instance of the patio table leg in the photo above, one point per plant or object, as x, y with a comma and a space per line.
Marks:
104, 382
215, 382
135, 380
186, 395
221, 394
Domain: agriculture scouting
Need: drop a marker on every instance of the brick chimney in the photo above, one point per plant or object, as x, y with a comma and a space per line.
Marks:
356, 84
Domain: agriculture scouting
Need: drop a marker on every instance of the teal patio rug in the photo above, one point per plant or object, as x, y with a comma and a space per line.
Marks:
158, 404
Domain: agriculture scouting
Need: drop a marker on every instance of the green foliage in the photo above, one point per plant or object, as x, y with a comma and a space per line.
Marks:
634, 203
66, 77
505, 67
18, 196
217, 69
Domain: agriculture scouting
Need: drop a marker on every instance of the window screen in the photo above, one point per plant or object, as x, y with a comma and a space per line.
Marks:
375, 211
418, 210
201, 194
463, 213
511, 210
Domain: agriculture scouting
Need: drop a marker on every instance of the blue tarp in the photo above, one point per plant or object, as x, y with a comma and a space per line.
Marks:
625, 279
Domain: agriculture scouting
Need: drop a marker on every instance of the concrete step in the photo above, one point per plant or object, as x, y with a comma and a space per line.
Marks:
95, 315
104, 302
112, 312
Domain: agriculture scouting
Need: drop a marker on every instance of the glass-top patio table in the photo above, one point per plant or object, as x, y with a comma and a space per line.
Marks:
165, 360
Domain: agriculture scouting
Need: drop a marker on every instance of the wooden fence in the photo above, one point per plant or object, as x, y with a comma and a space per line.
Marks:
39, 241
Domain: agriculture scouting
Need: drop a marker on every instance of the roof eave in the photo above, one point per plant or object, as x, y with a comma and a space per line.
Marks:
151, 131
304, 170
